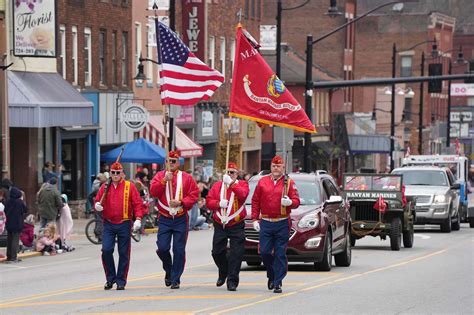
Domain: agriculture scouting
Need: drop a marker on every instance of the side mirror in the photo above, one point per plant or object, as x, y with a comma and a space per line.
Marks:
456, 186
334, 200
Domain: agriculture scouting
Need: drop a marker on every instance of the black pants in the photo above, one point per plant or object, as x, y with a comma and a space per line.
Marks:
13, 242
228, 261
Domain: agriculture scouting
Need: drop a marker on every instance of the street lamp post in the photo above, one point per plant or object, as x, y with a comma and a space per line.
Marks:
448, 128
309, 74
422, 97
392, 115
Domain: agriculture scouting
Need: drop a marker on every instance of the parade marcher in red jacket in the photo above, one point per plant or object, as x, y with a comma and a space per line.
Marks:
121, 205
228, 213
174, 201
272, 201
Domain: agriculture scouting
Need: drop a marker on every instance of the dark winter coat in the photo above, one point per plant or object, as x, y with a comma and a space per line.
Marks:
15, 209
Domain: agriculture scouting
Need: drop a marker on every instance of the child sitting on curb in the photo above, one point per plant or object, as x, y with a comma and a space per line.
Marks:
27, 236
46, 244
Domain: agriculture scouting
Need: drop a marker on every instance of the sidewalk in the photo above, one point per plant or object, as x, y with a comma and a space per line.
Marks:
78, 230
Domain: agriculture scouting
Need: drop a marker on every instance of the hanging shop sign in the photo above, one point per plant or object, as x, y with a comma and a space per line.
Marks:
34, 28
135, 117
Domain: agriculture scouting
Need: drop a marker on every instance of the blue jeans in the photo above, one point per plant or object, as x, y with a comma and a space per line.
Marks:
196, 220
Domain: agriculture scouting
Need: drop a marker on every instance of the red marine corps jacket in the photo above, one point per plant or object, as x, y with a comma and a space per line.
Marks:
116, 208
236, 195
188, 192
266, 200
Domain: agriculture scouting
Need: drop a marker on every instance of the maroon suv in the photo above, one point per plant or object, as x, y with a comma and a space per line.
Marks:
320, 226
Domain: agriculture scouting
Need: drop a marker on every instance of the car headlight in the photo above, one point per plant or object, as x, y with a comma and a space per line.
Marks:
309, 221
440, 199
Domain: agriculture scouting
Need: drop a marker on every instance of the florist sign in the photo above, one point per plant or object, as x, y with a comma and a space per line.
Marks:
34, 28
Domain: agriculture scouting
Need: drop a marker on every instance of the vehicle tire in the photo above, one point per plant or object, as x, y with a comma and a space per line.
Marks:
325, 263
408, 237
471, 222
396, 234
344, 258
456, 226
253, 263
353, 240
93, 233
446, 225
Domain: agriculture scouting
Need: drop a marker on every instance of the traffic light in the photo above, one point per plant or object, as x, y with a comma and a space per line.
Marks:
435, 86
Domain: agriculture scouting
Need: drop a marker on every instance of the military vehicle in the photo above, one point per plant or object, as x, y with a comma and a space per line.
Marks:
378, 207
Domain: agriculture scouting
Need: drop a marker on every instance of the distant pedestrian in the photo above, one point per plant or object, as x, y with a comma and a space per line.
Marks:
49, 202
27, 235
15, 209
65, 224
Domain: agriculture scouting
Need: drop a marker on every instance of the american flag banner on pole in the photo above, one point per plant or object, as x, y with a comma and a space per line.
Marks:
185, 80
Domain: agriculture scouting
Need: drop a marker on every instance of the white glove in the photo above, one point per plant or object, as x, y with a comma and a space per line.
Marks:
227, 179
2, 207
137, 225
256, 226
286, 201
223, 203
98, 206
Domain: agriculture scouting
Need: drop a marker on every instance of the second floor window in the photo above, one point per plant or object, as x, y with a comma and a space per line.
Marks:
87, 56
124, 59
62, 52
405, 66
211, 52
74, 55
102, 52
114, 58
222, 55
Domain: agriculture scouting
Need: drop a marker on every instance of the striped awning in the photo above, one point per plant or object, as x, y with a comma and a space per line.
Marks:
154, 132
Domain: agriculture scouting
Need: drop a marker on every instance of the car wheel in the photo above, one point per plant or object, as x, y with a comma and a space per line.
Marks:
325, 263
408, 237
254, 263
395, 234
446, 225
353, 240
343, 259
456, 226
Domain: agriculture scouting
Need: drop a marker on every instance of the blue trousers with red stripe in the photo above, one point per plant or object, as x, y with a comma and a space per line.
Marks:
274, 238
177, 229
122, 232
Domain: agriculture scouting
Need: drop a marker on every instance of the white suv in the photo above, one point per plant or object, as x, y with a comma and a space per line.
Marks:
436, 193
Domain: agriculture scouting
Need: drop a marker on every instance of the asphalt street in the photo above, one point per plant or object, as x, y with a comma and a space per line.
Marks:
433, 277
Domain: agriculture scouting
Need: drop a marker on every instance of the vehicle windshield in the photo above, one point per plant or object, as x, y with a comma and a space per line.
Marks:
423, 177
309, 192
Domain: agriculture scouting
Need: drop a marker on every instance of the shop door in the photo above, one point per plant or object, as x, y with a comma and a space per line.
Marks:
73, 159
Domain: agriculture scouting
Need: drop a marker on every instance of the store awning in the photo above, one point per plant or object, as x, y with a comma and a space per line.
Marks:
369, 144
154, 132
39, 100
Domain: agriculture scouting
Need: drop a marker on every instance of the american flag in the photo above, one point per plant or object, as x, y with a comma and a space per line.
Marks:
185, 80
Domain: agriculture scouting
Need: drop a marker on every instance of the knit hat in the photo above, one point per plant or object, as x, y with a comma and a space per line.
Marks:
30, 219
64, 198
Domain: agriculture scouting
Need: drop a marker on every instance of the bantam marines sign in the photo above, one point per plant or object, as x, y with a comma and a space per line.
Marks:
370, 195
34, 28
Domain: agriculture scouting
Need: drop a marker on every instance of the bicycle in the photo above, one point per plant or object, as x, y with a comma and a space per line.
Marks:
94, 229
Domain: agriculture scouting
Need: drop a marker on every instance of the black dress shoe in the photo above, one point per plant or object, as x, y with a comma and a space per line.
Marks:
120, 287
108, 285
167, 280
270, 285
175, 286
220, 282
231, 287
277, 289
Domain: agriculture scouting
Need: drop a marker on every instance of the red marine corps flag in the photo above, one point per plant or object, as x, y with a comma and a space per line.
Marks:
258, 94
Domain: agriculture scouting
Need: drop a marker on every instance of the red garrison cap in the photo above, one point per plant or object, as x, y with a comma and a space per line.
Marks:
232, 165
173, 154
277, 160
116, 166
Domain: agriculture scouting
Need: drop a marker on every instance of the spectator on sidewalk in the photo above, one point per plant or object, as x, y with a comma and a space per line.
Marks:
27, 236
196, 220
65, 224
15, 209
49, 202
46, 244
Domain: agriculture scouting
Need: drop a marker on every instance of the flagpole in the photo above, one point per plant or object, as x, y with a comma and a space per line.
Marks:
226, 169
165, 106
